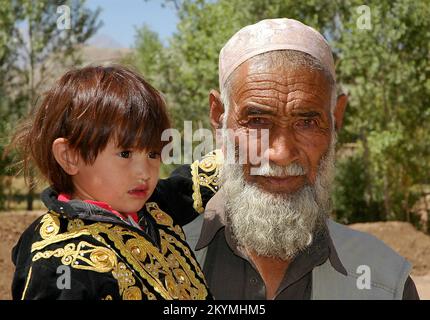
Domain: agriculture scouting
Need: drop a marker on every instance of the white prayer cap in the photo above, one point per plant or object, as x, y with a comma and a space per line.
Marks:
270, 35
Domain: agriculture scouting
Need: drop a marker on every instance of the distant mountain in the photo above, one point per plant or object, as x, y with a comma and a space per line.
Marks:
96, 55
103, 49
104, 41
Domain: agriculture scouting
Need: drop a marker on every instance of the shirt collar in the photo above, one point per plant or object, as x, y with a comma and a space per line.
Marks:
133, 215
215, 220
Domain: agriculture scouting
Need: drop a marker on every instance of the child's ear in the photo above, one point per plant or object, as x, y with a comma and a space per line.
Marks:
66, 157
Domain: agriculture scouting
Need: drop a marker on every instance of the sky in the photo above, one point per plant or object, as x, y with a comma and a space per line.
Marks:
121, 17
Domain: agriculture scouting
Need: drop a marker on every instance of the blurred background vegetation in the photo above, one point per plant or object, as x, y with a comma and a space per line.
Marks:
384, 148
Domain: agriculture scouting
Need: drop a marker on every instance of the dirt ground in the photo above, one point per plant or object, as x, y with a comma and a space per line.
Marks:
11, 227
401, 236
409, 243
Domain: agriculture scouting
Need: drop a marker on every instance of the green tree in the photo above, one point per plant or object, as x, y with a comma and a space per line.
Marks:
147, 55
8, 55
190, 65
384, 69
45, 39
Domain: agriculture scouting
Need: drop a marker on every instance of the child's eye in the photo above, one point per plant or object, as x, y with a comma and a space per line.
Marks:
125, 154
153, 155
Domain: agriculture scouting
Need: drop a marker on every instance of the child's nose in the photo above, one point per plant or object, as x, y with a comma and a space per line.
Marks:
142, 165
144, 180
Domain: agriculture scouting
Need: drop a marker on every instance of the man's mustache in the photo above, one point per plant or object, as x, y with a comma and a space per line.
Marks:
271, 169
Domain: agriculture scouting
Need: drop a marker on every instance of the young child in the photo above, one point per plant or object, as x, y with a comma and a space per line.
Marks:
96, 138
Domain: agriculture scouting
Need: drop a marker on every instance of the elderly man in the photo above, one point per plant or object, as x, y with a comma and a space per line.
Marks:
268, 235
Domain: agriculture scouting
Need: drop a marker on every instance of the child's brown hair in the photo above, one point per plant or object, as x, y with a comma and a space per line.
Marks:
89, 106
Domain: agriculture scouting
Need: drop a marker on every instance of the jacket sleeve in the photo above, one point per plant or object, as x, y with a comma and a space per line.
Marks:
188, 189
50, 275
45, 282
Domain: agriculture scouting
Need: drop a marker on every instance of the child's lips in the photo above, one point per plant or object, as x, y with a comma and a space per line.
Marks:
140, 191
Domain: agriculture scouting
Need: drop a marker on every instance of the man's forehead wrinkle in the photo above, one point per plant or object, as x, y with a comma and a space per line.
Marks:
287, 75
263, 101
260, 103
301, 103
313, 99
282, 87
283, 80
279, 97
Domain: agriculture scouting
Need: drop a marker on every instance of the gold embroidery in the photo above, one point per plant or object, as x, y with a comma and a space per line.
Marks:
126, 283
103, 258
188, 286
209, 178
163, 218
157, 264
153, 255
26, 284
74, 224
136, 249
148, 294
100, 259
115, 234
167, 272
132, 293
50, 225
108, 297
61, 237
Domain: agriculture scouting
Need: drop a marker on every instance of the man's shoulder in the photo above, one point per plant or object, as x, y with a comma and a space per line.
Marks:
346, 238
360, 251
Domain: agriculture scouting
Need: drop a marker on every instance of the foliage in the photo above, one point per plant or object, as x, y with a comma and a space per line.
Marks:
387, 73
34, 49
384, 69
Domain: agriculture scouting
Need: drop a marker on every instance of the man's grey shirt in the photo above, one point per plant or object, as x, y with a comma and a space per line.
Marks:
231, 275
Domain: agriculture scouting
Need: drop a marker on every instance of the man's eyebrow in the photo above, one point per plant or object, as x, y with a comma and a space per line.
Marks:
255, 110
308, 114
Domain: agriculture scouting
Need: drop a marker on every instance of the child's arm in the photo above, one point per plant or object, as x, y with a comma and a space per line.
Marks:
40, 281
49, 273
188, 189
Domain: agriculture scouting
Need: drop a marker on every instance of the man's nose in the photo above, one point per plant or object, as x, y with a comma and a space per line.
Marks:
283, 149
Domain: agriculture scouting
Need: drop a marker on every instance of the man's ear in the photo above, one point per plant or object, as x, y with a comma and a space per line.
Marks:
216, 112
339, 111
66, 157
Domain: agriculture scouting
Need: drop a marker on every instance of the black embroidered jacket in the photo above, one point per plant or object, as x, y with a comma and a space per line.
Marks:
80, 251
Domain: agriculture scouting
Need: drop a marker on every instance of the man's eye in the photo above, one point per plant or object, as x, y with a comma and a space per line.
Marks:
307, 124
153, 155
125, 154
258, 122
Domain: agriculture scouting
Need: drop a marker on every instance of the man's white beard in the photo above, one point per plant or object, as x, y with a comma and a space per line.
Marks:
277, 225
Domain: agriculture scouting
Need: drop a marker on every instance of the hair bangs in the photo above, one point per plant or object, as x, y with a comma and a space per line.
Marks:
141, 130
